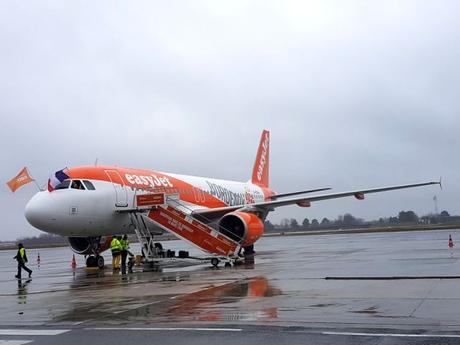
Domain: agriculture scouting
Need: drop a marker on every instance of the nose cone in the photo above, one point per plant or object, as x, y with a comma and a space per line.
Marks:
37, 212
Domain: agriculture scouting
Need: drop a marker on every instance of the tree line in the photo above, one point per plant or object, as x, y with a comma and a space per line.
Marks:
349, 221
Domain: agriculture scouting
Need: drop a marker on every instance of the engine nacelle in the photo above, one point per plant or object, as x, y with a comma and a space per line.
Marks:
245, 228
81, 245
89, 245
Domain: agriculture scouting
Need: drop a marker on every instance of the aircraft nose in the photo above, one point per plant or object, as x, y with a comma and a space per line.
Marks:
35, 210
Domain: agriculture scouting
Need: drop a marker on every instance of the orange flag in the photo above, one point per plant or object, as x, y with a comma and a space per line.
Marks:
19, 180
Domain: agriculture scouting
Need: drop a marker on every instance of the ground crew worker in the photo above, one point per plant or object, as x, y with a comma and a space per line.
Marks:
21, 257
124, 252
115, 247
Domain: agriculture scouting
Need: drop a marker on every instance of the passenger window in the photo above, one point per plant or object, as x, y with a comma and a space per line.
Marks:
76, 184
89, 185
63, 185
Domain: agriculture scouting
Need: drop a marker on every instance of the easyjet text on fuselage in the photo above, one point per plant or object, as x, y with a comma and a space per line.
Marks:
151, 180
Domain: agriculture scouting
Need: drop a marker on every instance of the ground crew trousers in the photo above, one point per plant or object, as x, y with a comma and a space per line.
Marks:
124, 255
116, 259
21, 265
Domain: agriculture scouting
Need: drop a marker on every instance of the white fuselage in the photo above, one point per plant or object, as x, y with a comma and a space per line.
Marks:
76, 212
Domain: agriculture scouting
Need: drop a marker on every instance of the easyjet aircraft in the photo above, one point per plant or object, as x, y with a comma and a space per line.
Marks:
220, 217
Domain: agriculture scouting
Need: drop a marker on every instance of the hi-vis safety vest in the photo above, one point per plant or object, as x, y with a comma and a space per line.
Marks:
124, 244
115, 245
21, 255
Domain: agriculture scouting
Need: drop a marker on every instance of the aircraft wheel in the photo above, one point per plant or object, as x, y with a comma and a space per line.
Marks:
91, 261
228, 264
215, 262
100, 262
249, 250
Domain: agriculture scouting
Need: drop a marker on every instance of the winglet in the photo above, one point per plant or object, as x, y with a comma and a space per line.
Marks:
440, 182
260, 172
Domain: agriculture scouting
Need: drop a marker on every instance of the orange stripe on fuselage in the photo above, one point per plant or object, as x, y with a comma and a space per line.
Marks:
148, 180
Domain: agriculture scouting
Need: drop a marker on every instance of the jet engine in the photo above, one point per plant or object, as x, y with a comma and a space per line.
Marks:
245, 228
89, 245
82, 245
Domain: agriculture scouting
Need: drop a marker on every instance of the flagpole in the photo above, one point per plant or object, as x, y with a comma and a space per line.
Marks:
36, 183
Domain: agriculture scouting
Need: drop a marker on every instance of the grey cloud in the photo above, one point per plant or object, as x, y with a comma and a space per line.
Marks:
356, 94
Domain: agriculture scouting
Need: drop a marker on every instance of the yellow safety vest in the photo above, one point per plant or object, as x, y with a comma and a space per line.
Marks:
124, 244
115, 245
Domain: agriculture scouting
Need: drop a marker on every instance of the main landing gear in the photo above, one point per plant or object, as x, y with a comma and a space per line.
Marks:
249, 250
95, 261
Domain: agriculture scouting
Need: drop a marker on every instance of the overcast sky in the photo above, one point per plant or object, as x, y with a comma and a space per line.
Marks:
355, 93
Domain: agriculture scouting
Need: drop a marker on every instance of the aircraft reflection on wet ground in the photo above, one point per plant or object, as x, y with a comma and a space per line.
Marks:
208, 304
138, 302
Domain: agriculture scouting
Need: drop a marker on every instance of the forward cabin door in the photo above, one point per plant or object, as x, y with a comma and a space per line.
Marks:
121, 194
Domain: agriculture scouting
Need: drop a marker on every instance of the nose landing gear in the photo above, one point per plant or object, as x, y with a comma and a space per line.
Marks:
95, 261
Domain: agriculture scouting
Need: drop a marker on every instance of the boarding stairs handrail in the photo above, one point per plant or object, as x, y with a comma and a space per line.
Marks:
144, 236
174, 216
173, 199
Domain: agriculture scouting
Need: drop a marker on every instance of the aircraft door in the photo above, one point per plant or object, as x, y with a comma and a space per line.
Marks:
121, 194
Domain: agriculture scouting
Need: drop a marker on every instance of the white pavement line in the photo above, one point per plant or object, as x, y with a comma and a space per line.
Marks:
166, 329
14, 342
33, 331
394, 335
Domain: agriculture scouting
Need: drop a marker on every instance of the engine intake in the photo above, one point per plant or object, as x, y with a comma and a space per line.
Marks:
81, 245
242, 227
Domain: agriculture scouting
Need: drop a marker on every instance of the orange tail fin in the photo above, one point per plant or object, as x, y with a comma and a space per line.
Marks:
260, 171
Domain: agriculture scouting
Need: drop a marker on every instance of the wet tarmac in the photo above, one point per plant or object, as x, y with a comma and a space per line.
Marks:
352, 288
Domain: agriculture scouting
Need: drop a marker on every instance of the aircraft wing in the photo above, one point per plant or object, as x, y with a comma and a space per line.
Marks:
284, 195
208, 214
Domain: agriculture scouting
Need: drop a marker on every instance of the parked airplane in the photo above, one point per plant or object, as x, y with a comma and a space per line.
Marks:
220, 217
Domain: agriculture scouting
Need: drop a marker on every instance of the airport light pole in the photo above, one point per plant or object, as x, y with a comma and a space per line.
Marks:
435, 200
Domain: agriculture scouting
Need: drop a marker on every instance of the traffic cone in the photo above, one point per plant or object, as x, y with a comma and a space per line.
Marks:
451, 243
38, 260
74, 262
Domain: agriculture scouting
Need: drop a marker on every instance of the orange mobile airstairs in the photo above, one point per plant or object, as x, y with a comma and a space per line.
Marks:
168, 213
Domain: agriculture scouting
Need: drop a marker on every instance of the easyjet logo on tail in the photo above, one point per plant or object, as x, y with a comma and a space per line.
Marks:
263, 157
260, 170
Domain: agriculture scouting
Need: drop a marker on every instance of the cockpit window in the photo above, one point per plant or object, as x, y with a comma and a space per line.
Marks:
76, 184
63, 185
89, 185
